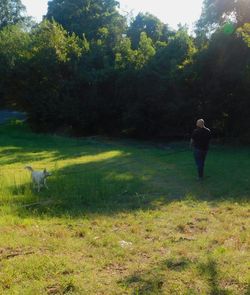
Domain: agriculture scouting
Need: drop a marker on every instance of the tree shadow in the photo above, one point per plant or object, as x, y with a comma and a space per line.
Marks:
106, 186
155, 280
20, 155
144, 283
12, 153
79, 189
210, 271
179, 264
115, 178
19, 145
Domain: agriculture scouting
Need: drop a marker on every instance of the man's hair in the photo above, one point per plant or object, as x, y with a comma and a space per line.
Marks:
200, 123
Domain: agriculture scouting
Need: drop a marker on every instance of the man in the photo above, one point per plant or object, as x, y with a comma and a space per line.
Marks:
200, 141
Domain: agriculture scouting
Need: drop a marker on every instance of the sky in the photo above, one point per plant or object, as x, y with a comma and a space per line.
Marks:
171, 12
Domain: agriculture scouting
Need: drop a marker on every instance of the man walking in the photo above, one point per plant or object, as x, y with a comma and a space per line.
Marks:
200, 141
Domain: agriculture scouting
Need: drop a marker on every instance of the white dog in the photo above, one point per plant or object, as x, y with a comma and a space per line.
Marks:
38, 177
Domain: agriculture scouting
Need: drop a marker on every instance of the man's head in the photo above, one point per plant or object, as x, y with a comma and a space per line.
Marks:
200, 123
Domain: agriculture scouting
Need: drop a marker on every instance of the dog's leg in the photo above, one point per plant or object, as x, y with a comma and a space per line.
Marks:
38, 187
45, 184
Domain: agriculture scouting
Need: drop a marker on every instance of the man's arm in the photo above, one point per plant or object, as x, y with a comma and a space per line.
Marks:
191, 144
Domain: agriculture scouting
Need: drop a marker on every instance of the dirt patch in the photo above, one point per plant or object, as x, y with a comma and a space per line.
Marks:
7, 253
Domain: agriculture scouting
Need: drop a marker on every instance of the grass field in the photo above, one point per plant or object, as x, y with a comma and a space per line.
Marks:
122, 218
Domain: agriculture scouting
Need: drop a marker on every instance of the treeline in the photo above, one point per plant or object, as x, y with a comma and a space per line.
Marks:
85, 70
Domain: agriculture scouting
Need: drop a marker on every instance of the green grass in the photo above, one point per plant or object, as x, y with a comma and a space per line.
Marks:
122, 218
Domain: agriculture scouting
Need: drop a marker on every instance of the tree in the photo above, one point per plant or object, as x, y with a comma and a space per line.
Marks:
216, 13
14, 50
219, 79
94, 18
155, 95
126, 57
11, 12
149, 24
40, 73
145, 50
244, 32
222, 79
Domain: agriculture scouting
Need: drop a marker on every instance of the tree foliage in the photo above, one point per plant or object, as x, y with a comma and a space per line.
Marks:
216, 13
244, 32
151, 25
81, 70
94, 18
11, 12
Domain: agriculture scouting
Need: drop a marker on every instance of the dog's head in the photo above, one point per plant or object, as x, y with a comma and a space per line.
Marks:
46, 173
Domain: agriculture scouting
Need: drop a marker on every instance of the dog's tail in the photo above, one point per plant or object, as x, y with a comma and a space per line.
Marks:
29, 168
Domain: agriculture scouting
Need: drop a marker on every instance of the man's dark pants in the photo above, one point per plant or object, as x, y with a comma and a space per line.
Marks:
200, 156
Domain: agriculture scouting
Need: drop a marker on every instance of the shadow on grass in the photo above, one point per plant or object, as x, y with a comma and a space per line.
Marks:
155, 280
144, 283
85, 188
19, 145
177, 264
210, 271
133, 179
39, 151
